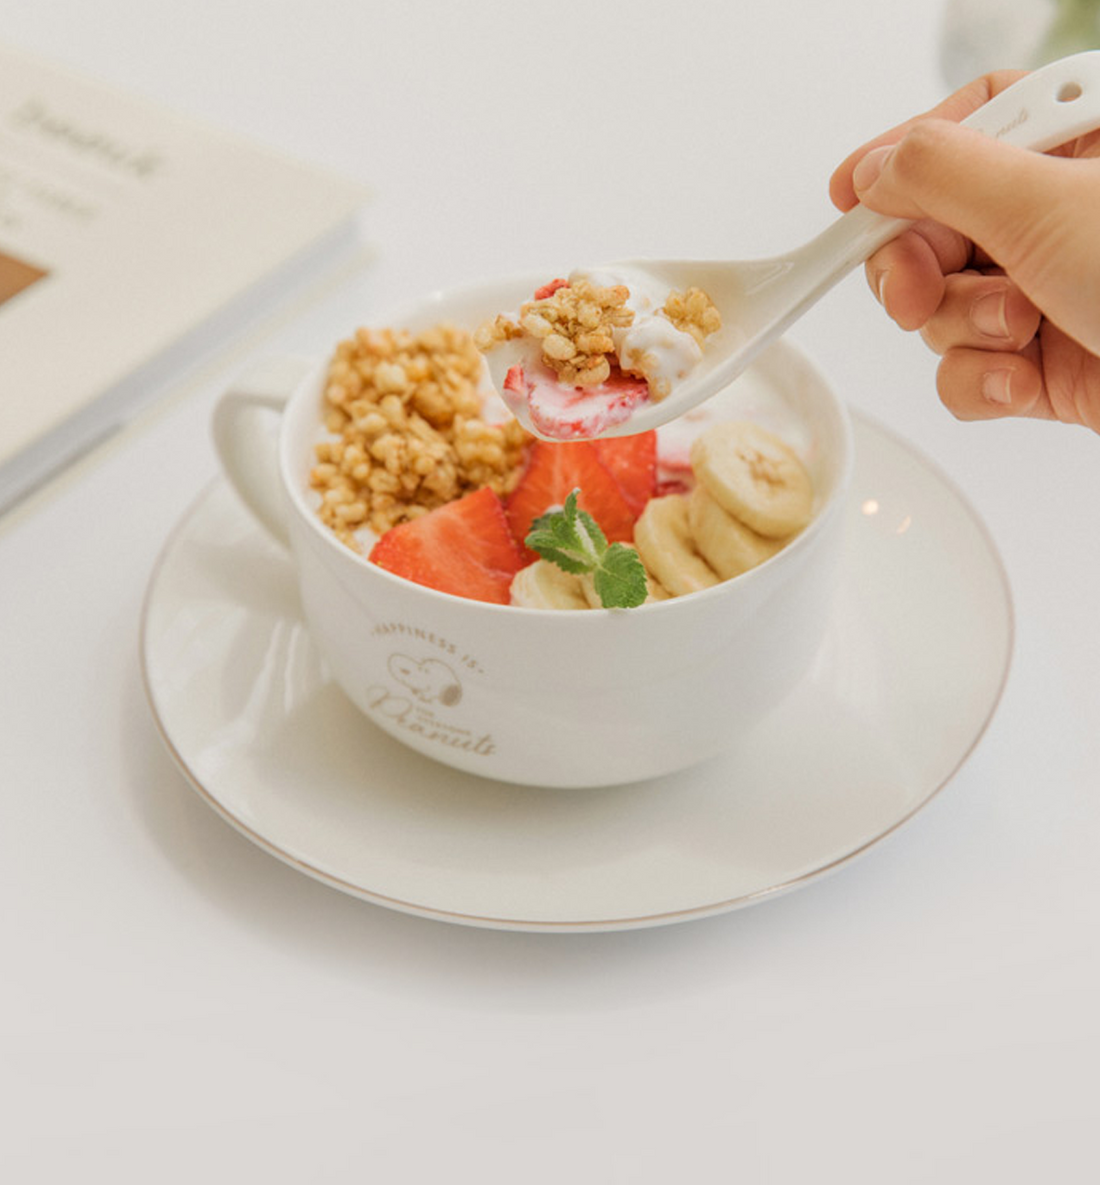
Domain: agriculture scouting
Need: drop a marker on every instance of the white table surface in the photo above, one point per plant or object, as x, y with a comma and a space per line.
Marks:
176, 1005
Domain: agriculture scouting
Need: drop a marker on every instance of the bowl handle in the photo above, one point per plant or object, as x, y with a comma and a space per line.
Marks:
249, 451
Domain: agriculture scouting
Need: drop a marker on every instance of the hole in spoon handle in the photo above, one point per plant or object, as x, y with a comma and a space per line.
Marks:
1047, 107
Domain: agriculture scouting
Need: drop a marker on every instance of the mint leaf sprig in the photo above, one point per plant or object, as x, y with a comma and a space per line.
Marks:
572, 539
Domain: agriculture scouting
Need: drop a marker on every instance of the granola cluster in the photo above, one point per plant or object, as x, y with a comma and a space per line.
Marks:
404, 415
573, 325
693, 312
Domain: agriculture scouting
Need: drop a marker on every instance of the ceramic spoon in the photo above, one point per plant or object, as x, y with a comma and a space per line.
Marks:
760, 298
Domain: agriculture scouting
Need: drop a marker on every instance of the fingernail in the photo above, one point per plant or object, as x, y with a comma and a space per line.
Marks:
880, 285
987, 315
997, 386
866, 173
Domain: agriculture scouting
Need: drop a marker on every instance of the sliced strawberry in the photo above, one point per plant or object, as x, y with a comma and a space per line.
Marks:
572, 413
516, 381
632, 462
464, 548
552, 471
549, 289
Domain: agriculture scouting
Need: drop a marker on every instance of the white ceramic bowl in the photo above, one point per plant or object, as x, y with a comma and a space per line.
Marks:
536, 696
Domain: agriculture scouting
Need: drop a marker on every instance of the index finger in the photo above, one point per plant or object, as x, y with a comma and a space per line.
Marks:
955, 107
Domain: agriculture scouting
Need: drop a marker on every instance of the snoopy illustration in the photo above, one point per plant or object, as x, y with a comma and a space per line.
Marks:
429, 680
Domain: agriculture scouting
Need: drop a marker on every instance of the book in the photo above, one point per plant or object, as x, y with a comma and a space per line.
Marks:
133, 241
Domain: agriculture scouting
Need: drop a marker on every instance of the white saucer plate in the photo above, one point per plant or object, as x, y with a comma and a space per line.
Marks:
910, 674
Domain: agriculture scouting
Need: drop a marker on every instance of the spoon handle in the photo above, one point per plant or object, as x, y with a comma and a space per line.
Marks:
1042, 110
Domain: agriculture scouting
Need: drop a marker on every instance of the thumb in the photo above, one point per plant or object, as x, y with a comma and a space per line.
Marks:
1015, 204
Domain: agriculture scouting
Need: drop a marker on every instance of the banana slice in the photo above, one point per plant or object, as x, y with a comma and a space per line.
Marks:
724, 541
663, 537
654, 589
543, 585
754, 476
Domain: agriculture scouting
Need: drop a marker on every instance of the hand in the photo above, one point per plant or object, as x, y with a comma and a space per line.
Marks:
1001, 273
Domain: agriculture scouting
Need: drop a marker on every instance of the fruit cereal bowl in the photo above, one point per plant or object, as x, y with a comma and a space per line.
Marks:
548, 696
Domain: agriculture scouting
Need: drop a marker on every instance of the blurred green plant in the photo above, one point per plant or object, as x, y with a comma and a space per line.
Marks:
1076, 27
982, 35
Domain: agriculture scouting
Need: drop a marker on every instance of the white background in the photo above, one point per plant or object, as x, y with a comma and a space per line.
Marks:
176, 1005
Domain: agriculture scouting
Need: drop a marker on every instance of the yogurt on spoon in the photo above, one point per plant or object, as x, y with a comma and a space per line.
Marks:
586, 352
